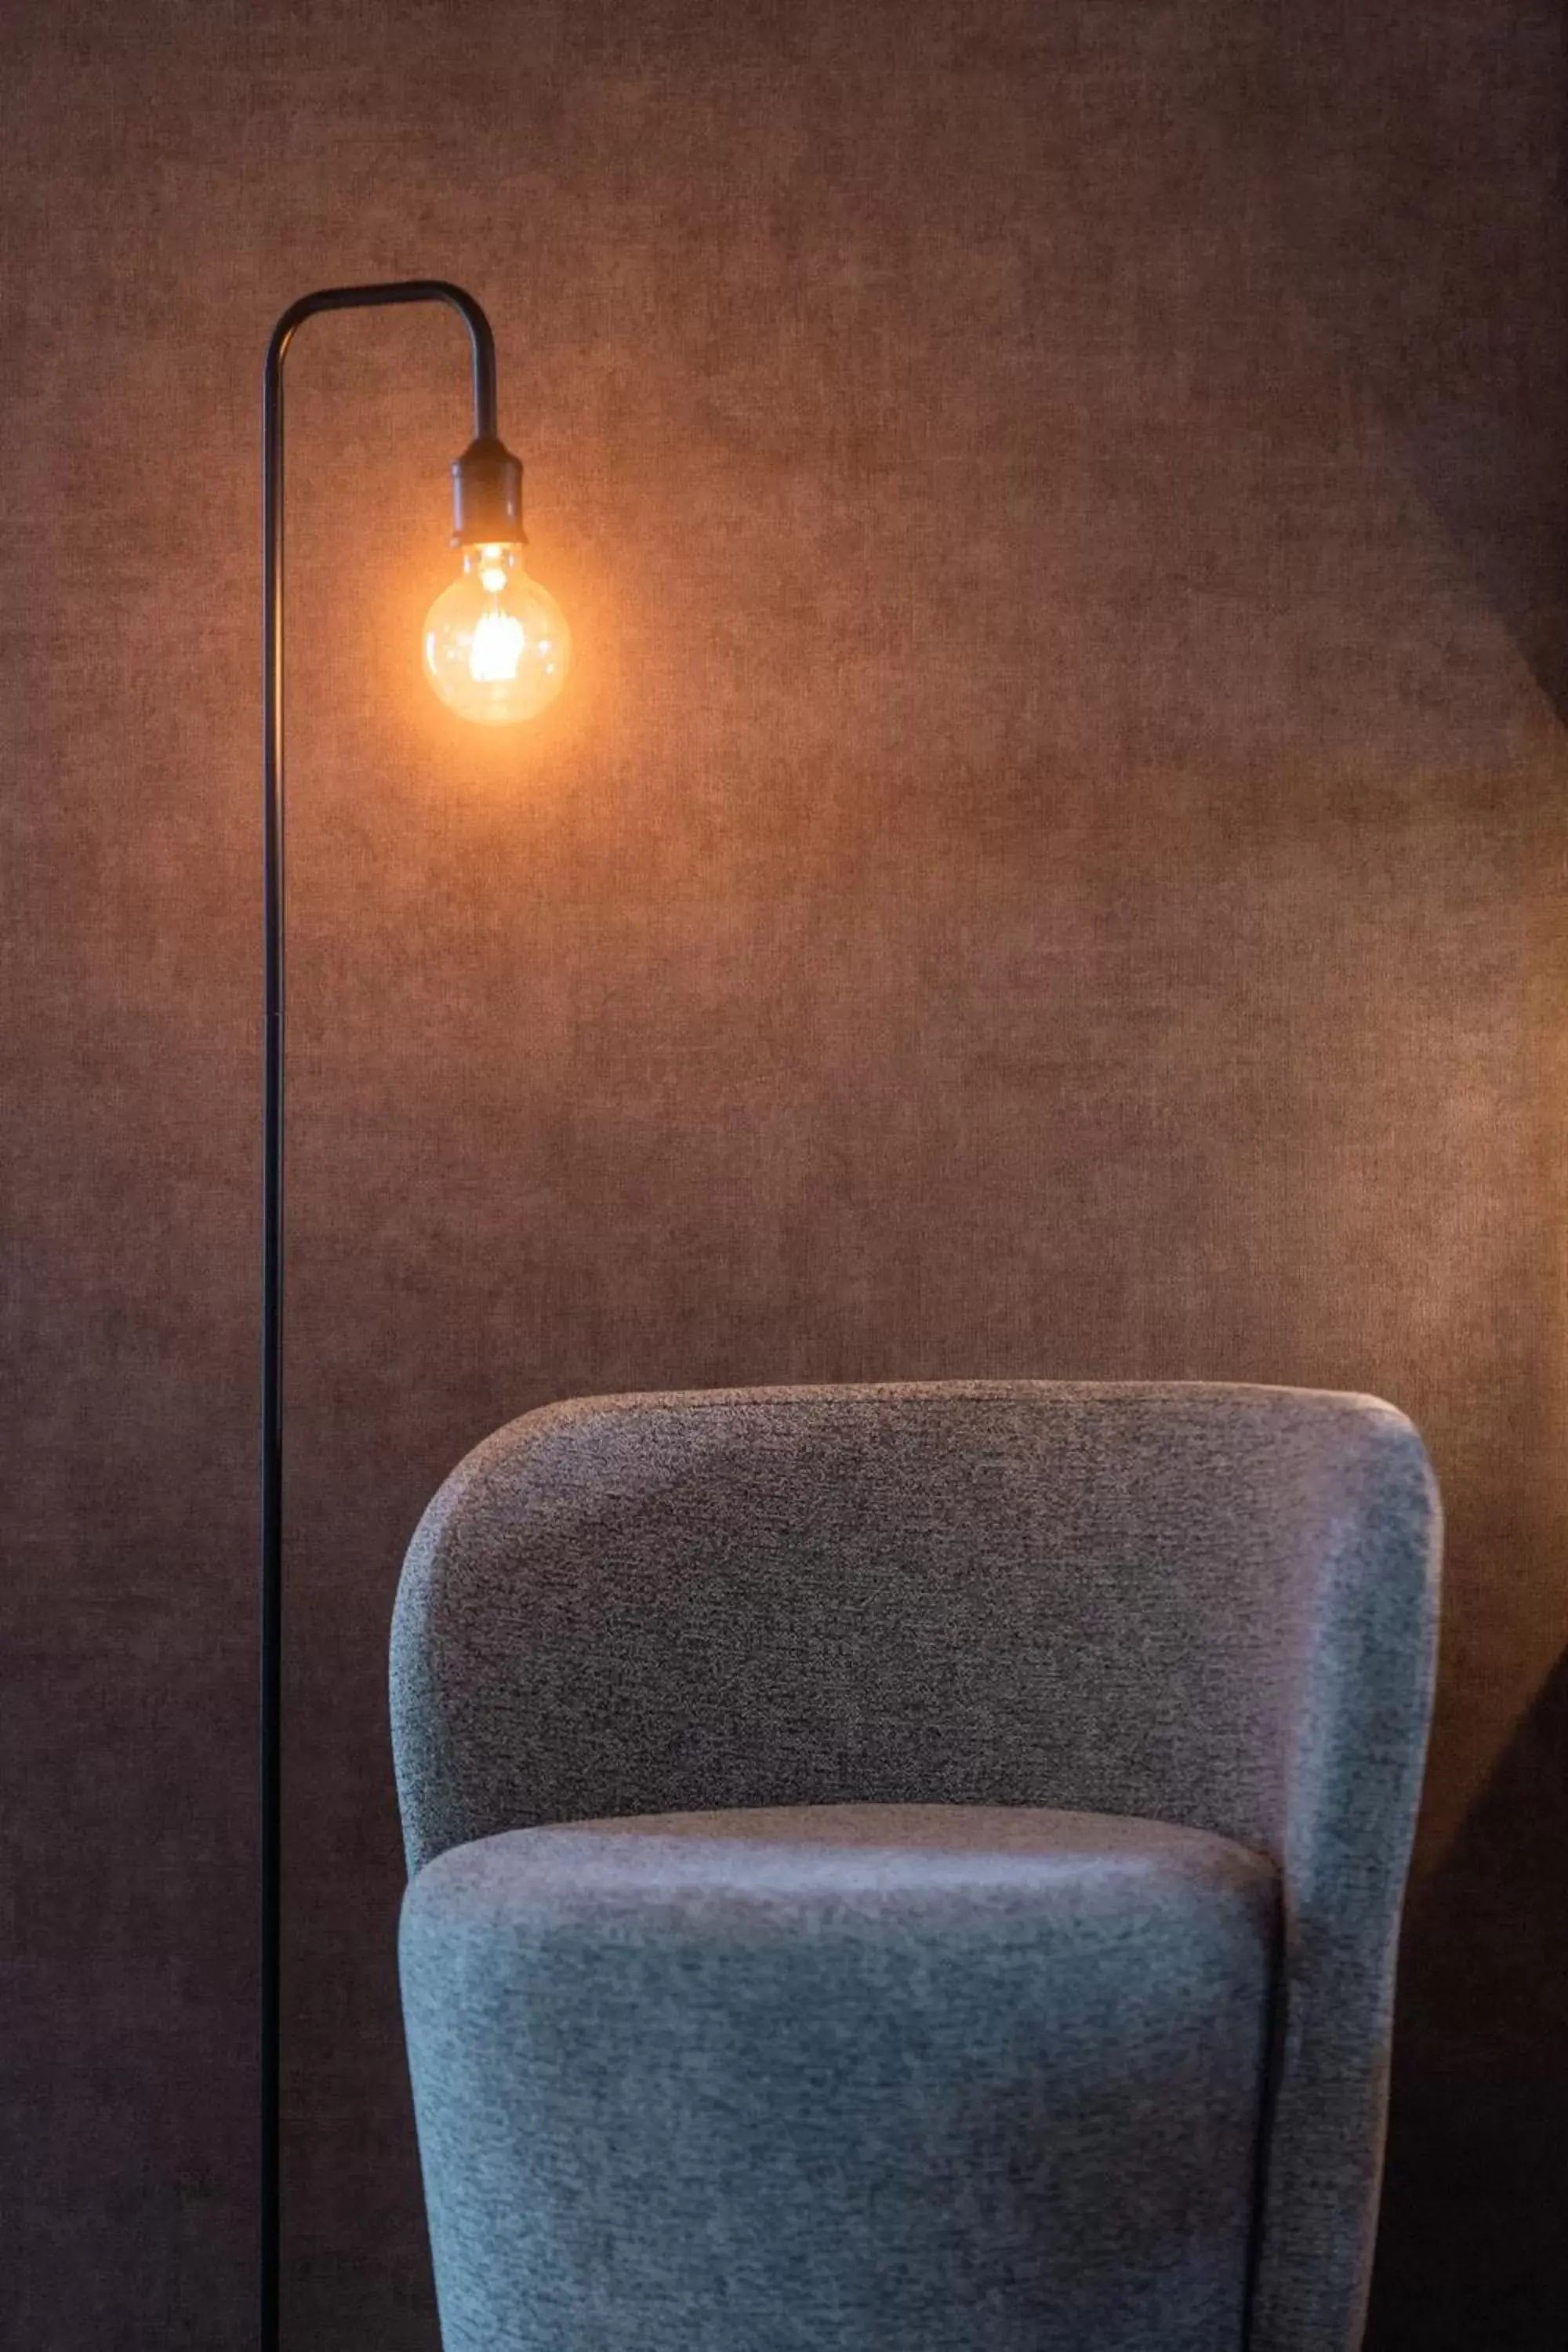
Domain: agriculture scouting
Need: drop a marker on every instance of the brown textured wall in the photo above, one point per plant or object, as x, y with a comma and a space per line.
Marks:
1053, 863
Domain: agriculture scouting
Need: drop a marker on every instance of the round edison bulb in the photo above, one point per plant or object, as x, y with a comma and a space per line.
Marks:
496, 647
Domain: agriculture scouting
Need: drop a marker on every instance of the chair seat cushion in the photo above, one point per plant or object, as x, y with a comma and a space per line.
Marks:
870, 2078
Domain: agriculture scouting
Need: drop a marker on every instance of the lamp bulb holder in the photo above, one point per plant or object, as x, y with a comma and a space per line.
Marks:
486, 495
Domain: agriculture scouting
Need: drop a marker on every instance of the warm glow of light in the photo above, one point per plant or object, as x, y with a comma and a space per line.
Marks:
496, 647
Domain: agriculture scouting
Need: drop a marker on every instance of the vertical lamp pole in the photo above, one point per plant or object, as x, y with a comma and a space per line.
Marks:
496, 649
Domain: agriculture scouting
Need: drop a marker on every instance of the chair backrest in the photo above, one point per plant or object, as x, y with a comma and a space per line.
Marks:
1209, 1605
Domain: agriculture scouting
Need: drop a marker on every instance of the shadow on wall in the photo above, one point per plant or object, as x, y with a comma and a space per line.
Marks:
1502, 499
1428, 244
1474, 2244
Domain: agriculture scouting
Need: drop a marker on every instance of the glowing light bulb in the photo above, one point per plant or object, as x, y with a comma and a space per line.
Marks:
496, 647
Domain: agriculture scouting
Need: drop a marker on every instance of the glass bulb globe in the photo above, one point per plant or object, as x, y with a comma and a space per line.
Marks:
496, 647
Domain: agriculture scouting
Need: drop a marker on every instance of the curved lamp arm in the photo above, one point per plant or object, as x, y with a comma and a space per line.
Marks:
487, 482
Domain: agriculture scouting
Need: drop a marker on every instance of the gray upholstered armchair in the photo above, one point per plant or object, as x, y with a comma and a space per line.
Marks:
911, 1869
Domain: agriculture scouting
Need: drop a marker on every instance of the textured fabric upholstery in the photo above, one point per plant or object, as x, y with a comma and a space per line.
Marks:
977, 2051
1209, 1607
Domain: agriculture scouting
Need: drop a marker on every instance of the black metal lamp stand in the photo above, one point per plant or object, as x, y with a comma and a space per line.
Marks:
487, 500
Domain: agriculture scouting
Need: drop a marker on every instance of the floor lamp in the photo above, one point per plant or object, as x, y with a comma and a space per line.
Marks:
496, 649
